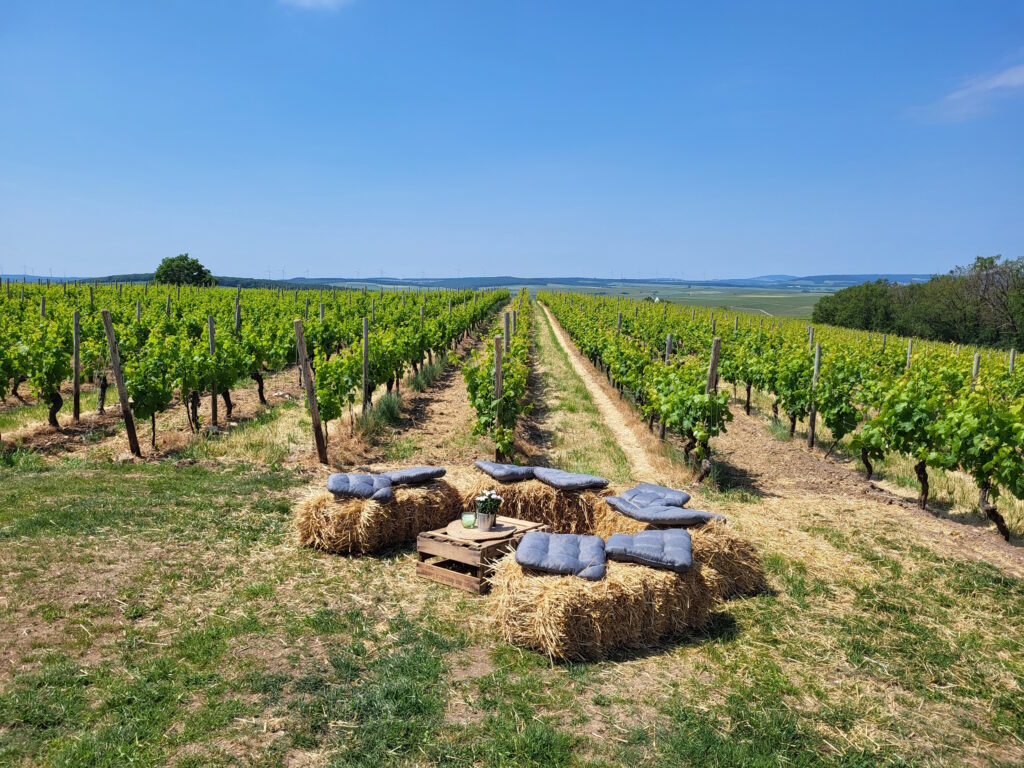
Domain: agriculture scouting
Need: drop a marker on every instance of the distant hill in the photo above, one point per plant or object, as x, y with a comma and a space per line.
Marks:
777, 282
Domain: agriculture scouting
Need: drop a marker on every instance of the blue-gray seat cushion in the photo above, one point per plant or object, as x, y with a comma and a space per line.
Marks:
505, 473
413, 475
649, 494
376, 487
662, 514
568, 481
571, 554
670, 549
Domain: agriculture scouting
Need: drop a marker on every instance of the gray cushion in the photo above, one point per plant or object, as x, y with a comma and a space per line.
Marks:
413, 475
662, 514
565, 553
505, 473
568, 481
376, 487
649, 494
669, 549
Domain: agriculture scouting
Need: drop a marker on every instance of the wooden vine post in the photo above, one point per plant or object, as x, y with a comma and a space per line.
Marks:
213, 381
508, 336
499, 389
1013, 359
814, 406
122, 391
618, 325
668, 347
76, 365
238, 310
974, 369
366, 365
314, 410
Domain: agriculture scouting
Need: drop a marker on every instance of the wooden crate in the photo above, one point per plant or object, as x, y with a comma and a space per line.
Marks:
466, 564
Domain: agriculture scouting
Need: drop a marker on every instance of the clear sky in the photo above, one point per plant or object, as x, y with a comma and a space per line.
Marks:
528, 137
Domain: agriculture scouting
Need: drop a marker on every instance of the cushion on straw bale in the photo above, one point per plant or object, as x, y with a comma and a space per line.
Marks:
661, 514
356, 486
649, 494
505, 473
670, 549
350, 525
569, 554
414, 475
568, 481
632, 607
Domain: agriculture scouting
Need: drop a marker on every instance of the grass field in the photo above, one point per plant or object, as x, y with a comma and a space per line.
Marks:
160, 613
775, 302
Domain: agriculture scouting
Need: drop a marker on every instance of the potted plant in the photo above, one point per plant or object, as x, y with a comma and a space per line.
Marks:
487, 504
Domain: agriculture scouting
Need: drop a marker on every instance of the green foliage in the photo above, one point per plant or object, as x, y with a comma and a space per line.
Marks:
183, 270
497, 417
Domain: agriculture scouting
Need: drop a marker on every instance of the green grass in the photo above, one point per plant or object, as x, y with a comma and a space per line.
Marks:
779, 302
156, 614
19, 415
580, 440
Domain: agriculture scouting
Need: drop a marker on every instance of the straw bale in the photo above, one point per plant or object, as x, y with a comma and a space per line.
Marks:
568, 618
344, 525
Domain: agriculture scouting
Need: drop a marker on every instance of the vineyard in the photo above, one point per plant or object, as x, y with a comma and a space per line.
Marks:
942, 406
175, 347
160, 612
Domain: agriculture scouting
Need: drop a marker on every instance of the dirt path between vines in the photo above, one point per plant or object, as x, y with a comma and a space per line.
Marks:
643, 468
793, 490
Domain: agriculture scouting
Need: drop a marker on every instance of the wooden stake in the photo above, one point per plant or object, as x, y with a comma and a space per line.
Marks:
975, 368
238, 310
910, 350
1013, 359
507, 333
814, 386
314, 410
618, 325
712, 383
122, 392
366, 365
213, 381
668, 347
76, 365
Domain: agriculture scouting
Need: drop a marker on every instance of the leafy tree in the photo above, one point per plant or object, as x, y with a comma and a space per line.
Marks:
183, 270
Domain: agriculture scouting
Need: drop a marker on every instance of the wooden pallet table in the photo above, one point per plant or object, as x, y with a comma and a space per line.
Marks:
462, 557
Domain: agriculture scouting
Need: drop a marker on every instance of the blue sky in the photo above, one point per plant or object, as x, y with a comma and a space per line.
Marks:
423, 137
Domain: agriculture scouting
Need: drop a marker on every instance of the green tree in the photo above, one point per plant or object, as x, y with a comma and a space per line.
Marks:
183, 270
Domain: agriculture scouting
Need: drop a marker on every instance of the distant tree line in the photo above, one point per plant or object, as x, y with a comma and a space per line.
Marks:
979, 304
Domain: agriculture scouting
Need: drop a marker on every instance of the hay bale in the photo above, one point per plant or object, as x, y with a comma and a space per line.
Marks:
567, 618
732, 565
562, 511
343, 525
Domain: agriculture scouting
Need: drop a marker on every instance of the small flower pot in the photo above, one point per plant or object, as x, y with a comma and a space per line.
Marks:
487, 505
468, 519
485, 520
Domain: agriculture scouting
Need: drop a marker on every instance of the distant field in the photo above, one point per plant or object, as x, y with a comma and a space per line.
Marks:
776, 302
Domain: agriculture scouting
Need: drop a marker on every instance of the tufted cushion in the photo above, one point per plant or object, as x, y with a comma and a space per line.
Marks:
661, 514
568, 481
376, 487
565, 553
649, 494
669, 549
505, 473
413, 475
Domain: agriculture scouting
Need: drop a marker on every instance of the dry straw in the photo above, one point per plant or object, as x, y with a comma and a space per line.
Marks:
562, 511
732, 565
568, 618
343, 526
